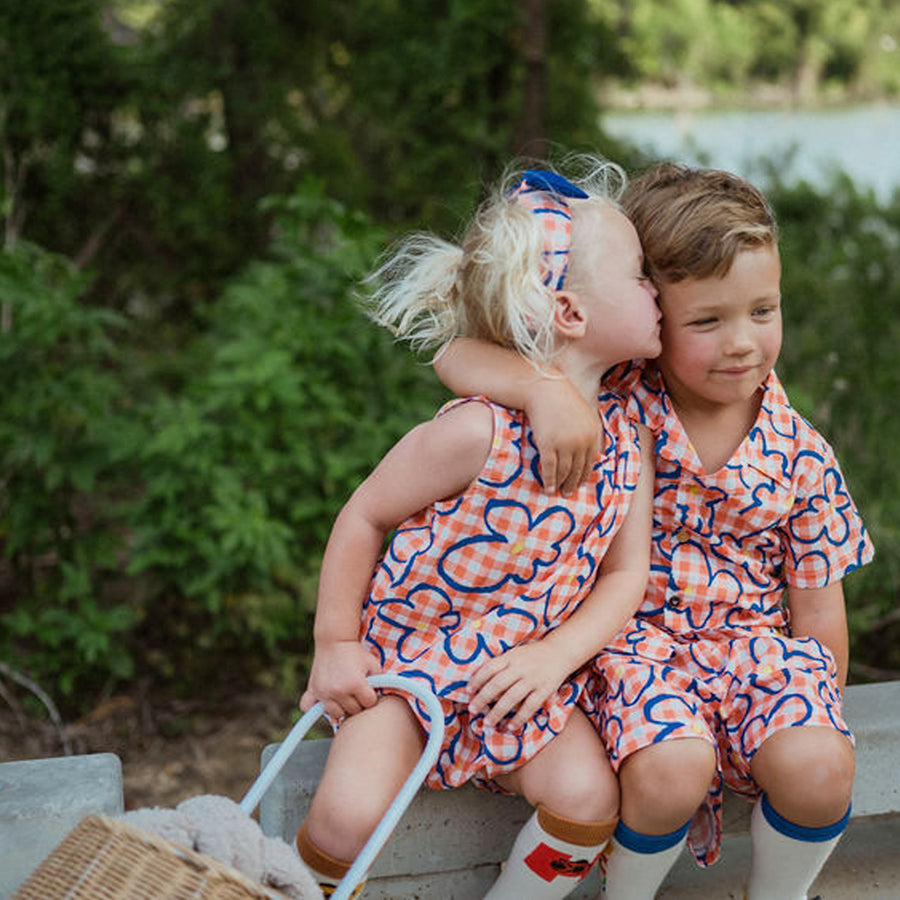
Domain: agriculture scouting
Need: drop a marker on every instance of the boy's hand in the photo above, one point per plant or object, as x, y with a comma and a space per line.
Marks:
522, 679
567, 433
338, 679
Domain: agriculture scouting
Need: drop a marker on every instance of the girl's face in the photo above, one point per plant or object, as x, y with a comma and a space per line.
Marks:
722, 336
607, 268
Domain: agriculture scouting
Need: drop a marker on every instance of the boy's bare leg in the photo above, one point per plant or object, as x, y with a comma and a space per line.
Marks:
806, 774
662, 786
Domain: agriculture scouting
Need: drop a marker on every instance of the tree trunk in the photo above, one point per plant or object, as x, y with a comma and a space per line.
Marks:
531, 137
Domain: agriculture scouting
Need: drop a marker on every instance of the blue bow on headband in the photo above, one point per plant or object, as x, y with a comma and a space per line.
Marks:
543, 194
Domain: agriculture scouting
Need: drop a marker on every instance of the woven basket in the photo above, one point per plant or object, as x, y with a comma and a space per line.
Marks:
106, 859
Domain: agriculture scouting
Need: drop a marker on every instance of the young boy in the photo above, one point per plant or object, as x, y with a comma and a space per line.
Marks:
731, 673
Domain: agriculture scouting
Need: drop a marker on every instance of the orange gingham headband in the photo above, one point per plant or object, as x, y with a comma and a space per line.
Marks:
543, 194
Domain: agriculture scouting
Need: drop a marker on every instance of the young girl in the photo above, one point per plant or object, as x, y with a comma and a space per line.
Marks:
491, 591
733, 669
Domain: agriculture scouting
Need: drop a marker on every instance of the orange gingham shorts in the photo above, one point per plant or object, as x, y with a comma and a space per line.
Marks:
732, 690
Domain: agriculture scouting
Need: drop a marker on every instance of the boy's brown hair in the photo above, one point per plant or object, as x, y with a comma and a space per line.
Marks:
693, 222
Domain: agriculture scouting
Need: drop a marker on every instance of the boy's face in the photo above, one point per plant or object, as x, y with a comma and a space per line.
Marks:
722, 336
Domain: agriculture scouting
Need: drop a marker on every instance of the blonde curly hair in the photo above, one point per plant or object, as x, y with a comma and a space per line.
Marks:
493, 285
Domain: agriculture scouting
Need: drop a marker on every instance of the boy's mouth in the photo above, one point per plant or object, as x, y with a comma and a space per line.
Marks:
735, 371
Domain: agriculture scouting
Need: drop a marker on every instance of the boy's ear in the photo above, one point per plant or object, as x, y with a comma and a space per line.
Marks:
569, 318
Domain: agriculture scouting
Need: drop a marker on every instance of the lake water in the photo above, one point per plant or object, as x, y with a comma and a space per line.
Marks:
863, 141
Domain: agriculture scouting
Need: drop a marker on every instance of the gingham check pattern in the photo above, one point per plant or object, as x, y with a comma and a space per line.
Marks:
726, 544
713, 626
733, 692
504, 563
555, 217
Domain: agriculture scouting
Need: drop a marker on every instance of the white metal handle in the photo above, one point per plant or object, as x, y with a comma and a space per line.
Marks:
404, 797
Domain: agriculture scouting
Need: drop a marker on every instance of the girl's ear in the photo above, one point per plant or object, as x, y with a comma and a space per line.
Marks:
569, 318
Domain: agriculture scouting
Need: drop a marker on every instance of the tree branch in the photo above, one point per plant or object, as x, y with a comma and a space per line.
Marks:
42, 695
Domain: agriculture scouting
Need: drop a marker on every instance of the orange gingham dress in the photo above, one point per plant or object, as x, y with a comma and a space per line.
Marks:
501, 564
709, 654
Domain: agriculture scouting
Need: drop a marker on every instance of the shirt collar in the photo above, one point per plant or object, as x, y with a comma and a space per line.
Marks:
767, 447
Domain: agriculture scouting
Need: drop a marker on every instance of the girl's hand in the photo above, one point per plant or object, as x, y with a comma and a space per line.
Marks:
522, 679
338, 679
566, 430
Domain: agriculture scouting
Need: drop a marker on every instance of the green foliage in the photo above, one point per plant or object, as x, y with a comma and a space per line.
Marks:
167, 487
842, 298
61, 82
247, 467
802, 45
215, 494
62, 436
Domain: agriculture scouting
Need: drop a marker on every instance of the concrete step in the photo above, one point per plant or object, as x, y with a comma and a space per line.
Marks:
449, 844
41, 800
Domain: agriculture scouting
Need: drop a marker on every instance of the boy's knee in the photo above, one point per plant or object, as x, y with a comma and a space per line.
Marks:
807, 773
666, 782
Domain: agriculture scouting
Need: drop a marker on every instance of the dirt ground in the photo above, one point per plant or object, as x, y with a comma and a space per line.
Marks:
170, 749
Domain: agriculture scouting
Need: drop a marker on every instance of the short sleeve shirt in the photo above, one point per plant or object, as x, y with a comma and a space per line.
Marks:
726, 544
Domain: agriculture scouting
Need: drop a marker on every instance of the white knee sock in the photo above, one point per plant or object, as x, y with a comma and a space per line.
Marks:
550, 857
787, 857
638, 863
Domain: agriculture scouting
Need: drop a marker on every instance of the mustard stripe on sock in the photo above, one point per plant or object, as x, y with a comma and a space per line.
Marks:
581, 834
318, 860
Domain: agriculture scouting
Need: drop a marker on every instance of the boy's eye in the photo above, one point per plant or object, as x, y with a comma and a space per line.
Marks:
763, 312
705, 322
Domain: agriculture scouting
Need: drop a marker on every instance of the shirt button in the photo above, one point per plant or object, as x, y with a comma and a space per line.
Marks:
674, 602
683, 536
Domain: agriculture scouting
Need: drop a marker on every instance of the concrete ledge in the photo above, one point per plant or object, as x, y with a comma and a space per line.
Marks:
41, 800
450, 843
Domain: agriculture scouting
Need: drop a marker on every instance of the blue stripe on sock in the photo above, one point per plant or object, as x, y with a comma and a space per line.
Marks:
800, 832
648, 843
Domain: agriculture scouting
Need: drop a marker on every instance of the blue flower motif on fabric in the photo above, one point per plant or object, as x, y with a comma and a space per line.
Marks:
793, 708
832, 507
758, 438
510, 537
516, 442
407, 545
414, 617
690, 517
465, 646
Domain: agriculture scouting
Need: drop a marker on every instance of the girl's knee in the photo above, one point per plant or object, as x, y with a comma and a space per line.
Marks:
584, 786
370, 758
587, 791
571, 776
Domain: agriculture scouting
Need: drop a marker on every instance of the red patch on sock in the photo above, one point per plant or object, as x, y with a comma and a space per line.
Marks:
549, 864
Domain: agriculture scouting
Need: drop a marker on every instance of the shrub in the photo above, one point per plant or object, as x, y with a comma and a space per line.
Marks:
299, 397
841, 292
64, 433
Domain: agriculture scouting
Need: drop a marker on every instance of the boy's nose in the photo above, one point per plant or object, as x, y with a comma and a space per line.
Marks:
738, 341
